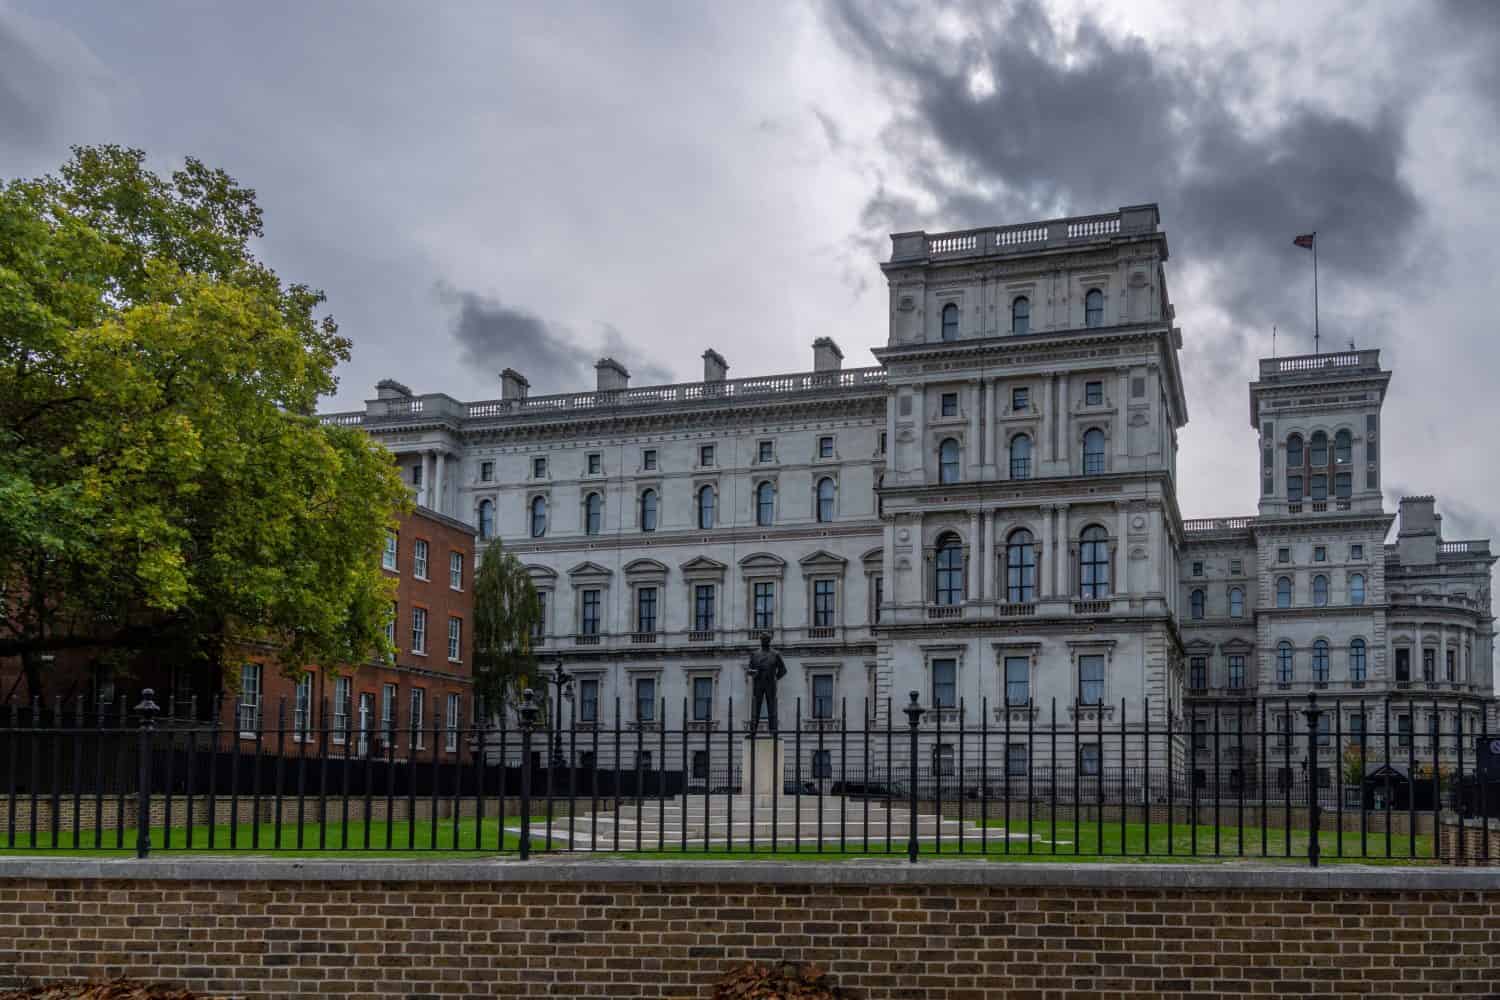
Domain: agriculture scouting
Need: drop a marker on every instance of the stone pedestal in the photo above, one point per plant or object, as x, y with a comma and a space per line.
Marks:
769, 765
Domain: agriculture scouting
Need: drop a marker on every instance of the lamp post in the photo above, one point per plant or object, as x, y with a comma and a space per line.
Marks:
561, 682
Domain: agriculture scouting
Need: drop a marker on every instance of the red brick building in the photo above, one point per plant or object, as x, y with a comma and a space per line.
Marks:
411, 708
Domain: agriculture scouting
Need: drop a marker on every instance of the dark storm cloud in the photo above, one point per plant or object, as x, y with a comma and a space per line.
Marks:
492, 336
1019, 119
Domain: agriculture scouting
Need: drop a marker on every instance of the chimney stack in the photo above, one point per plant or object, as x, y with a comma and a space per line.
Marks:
389, 388
612, 375
1420, 531
826, 355
513, 384
715, 368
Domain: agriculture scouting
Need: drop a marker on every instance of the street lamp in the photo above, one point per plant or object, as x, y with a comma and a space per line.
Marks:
560, 682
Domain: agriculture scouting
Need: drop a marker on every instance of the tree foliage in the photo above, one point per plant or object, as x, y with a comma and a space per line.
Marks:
163, 483
506, 612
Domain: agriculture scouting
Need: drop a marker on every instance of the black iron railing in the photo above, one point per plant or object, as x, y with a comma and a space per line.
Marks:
1315, 779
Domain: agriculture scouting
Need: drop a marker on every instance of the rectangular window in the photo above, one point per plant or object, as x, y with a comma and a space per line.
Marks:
1294, 489
825, 446
1325, 730
455, 571
1197, 569
1200, 734
645, 609
1018, 680
419, 559
419, 630
418, 718
1320, 553
1343, 486
1088, 759
1093, 393
455, 639
1017, 760
703, 607
648, 459
1403, 731
1091, 679
589, 620
486, 472
1236, 673
822, 603
387, 712
950, 404
879, 597
942, 760
1319, 489
706, 455
388, 557
1236, 567
450, 735
1429, 665
822, 691
1268, 485
596, 463
1451, 664
539, 468
416, 474
1198, 673
539, 627
1020, 398
700, 765
763, 451
945, 683
390, 627
1403, 665
1356, 552
703, 699
1283, 729
1283, 555
1137, 387
765, 605
343, 704
588, 699
645, 699
1356, 729
302, 709
882, 442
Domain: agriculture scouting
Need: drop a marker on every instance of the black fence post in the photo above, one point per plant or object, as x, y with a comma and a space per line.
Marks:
1313, 713
914, 714
147, 710
529, 712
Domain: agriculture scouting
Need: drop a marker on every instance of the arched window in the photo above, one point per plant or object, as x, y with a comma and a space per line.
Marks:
1317, 452
1283, 592
1196, 601
825, 500
486, 519
948, 461
1283, 662
1294, 453
1236, 602
706, 507
1341, 448
593, 514
1093, 308
948, 584
648, 510
538, 517
1093, 563
1093, 451
1356, 588
1357, 660
765, 504
1020, 567
1020, 457
1320, 661
1020, 315
1320, 590
950, 322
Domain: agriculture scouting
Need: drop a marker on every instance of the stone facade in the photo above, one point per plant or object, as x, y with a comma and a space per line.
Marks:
990, 514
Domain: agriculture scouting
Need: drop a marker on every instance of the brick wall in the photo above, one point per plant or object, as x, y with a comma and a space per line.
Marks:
601, 929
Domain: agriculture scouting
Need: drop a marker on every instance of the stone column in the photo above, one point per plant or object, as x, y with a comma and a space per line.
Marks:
976, 445
992, 589
425, 495
1122, 435
919, 428
1049, 544
992, 427
1121, 583
976, 551
1064, 424
440, 461
1061, 575
888, 563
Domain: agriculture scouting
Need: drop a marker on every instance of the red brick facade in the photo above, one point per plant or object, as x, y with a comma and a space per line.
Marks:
567, 935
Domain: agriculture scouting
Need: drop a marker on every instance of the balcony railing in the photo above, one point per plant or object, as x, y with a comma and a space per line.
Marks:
702, 635
1015, 610
587, 639
936, 611
641, 638
1217, 523
1091, 607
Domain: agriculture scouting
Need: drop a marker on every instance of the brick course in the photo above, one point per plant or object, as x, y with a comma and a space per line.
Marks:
945, 935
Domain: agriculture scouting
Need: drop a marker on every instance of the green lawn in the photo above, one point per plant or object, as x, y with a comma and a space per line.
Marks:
1088, 841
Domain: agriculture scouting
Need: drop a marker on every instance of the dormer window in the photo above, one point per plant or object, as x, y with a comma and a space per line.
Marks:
950, 322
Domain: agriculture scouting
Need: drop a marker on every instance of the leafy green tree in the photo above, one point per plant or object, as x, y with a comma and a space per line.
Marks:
164, 485
506, 613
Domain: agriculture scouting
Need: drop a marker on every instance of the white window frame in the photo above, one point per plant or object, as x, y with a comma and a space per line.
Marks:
450, 734
388, 555
419, 551
388, 694
456, 571
302, 710
455, 639
419, 631
341, 708
252, 681
417, 701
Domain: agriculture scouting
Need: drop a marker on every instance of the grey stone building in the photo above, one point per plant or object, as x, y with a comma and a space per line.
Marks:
989, 517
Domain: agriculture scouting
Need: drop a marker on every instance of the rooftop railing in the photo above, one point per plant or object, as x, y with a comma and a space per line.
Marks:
1471, 547
1217, 523
1311, 363
1025, 236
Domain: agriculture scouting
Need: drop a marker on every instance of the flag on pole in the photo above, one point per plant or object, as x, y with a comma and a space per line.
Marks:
1305, 241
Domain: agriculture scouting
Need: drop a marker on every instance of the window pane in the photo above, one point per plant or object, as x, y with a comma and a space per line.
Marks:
1018, 680
944, 683
1091, 679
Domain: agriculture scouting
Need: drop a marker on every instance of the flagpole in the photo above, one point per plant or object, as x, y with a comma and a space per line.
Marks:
1315, 292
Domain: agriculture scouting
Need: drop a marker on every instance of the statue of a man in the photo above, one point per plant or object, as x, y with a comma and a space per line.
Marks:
765, 669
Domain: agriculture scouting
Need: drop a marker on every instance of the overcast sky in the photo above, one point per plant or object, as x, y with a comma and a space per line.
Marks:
492, 185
